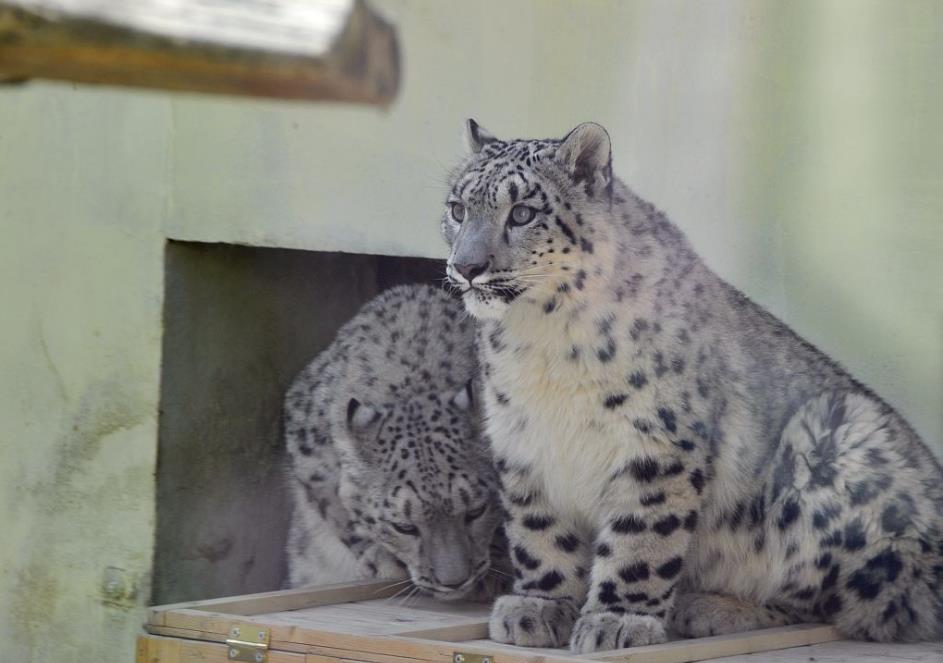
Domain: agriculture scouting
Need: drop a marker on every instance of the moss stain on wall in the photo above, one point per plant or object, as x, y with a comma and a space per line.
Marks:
88, 485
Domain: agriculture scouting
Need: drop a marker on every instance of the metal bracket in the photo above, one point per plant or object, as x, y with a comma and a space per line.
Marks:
248, 642
462, 657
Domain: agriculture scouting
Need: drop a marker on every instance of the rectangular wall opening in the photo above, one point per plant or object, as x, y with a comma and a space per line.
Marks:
239, 323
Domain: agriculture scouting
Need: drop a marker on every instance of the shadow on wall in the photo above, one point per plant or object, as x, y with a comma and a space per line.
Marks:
239, 323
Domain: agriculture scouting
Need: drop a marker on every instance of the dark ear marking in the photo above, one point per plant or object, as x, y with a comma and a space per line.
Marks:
352, 406
476, 137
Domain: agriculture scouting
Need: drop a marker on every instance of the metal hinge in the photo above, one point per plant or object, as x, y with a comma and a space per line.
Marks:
248, 642
462, 657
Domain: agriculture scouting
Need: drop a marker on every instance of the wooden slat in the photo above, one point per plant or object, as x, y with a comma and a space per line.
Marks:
283, 600
471, 630
387, 617
156, 649
699, 649
375, 649
336, 50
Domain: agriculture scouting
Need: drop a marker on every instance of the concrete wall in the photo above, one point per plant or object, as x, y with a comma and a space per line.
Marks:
799, 144
82, 199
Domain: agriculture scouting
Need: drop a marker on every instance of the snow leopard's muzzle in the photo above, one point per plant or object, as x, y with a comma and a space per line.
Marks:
481, 267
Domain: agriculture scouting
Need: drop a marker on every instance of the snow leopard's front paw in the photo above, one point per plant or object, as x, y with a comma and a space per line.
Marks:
532, 622
601, 631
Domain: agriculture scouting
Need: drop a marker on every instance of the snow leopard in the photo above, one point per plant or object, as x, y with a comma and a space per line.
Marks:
389, 475
671, 455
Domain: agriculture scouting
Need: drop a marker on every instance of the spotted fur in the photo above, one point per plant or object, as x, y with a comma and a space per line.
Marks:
669, 451
388, 471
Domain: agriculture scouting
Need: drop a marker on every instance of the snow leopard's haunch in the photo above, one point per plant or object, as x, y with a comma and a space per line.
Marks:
669, 451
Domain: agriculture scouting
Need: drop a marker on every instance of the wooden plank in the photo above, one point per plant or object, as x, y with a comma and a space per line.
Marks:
849, 651
156, 649
462, 632
283, 600
380, 649
699, 649
384, 649
391, 619
338, 50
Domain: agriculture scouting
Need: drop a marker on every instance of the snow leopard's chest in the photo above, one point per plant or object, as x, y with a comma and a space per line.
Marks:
570, 417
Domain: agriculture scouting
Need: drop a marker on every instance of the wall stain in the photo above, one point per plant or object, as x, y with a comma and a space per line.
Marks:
61, 499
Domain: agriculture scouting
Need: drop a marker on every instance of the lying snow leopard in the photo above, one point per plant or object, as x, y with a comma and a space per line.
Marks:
388, 470
670, 453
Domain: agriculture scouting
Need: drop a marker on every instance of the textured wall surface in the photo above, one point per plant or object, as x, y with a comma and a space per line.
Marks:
83, 187
800, 145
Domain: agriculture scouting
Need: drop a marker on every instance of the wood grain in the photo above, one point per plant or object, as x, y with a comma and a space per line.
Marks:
284, 600
157, 649
334, 50
699, 649
350, 621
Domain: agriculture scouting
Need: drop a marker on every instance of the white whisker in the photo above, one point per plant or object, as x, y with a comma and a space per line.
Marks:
392, 585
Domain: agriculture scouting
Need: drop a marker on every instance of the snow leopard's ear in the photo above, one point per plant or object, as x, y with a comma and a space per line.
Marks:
463, 398
362, 420
476, 137
586, 153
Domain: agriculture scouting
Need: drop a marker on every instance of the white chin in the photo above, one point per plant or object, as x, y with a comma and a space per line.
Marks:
484, 306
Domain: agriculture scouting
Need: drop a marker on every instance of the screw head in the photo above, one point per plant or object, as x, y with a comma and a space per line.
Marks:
235, 631
259, 657
261, 636
458, 658
233, 653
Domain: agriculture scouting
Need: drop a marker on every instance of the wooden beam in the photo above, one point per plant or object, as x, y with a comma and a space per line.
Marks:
733, 644
326, 50
285, 599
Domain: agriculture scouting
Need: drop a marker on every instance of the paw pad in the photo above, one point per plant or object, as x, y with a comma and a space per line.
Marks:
602, 631
532, 622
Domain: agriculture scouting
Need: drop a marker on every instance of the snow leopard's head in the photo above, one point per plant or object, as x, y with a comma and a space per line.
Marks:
519, 215
418, 478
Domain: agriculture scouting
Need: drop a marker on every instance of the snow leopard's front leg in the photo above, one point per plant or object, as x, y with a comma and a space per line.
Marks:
639, 556
550, 558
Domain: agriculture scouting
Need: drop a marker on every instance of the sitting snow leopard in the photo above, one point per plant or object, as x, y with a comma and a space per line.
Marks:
389, 474
669, 452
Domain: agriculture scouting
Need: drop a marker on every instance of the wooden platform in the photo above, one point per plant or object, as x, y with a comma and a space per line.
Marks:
369, 622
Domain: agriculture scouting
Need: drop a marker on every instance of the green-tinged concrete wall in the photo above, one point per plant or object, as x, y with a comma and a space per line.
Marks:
800, 145
83, 191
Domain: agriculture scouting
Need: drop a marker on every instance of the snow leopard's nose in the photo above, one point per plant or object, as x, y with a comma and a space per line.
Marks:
454, 572
471, 270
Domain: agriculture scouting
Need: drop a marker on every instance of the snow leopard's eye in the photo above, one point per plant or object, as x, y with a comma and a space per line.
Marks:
521, 215
458, 212
406, 528
475, 513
